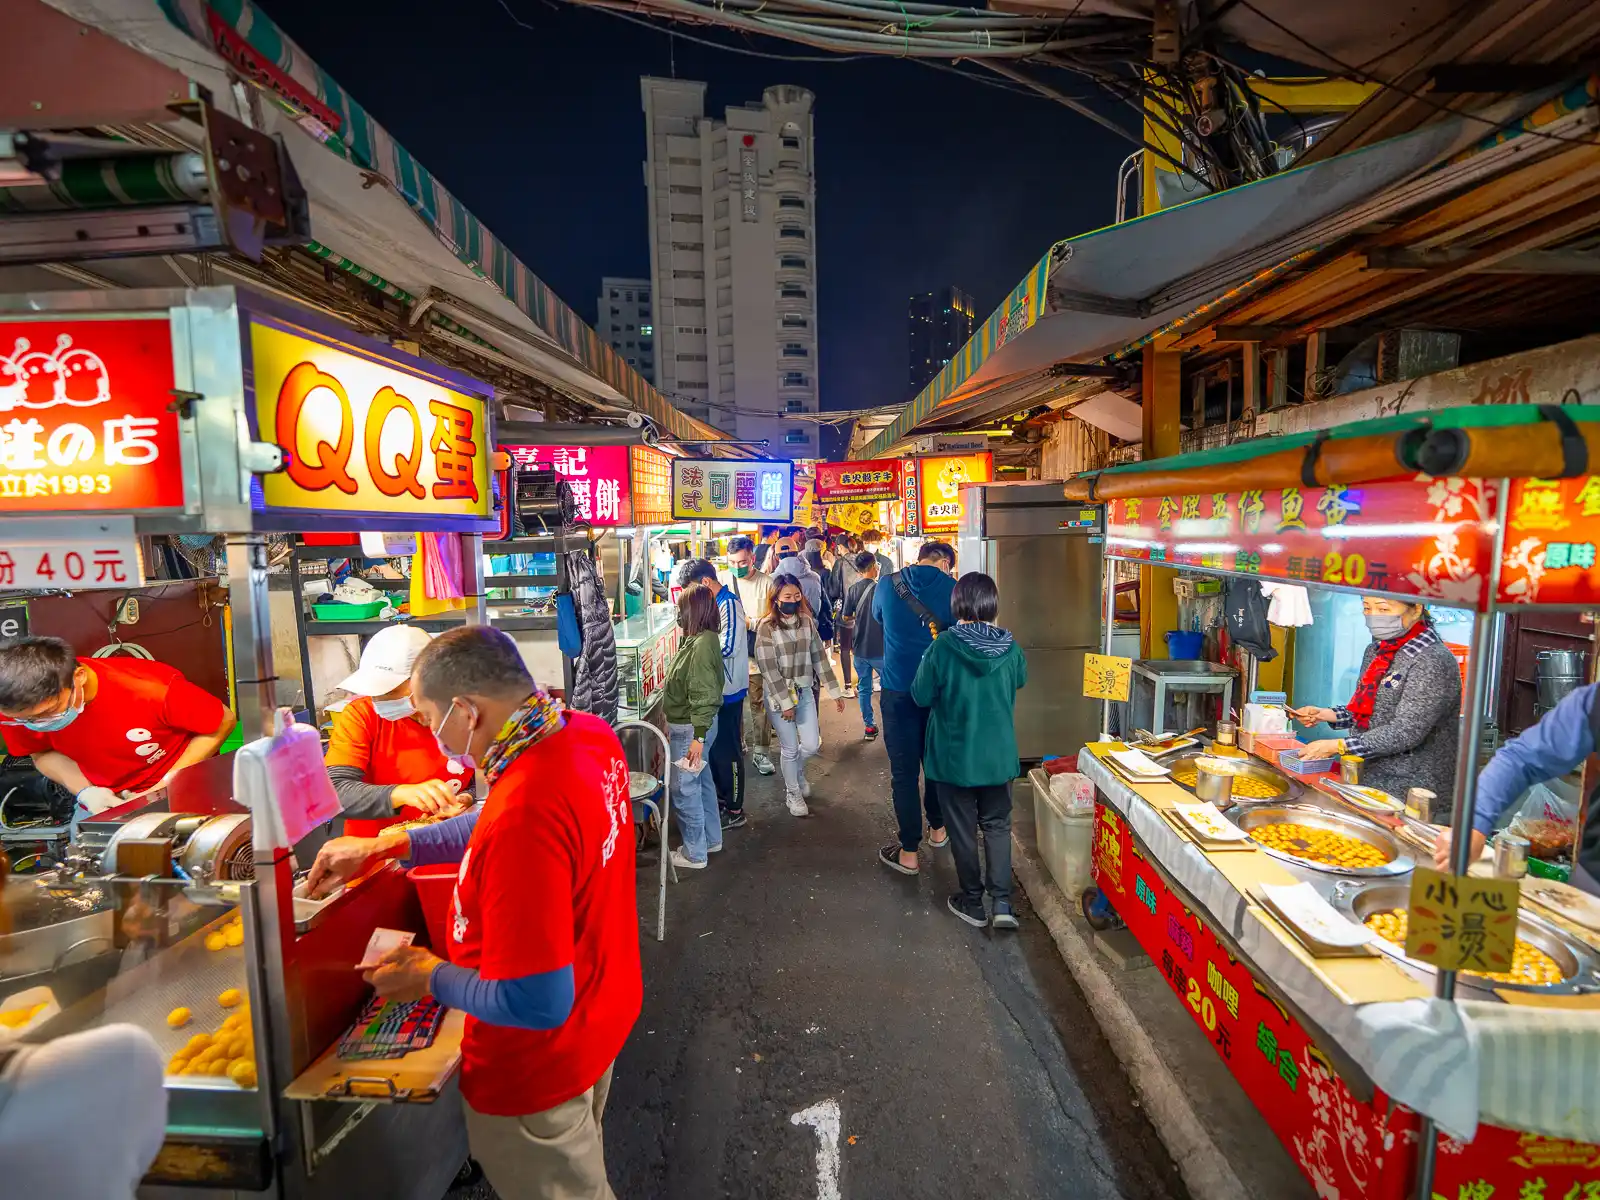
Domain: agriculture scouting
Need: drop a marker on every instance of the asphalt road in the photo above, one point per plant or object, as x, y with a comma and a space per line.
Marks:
799, 975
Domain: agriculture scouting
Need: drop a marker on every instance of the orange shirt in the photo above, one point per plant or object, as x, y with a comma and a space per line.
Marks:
386, 752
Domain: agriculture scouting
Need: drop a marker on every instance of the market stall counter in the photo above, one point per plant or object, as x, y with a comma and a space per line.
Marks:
1383, 1076
179, 912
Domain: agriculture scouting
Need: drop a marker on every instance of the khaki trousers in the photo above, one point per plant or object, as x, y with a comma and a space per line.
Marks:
758, 722
552, 1155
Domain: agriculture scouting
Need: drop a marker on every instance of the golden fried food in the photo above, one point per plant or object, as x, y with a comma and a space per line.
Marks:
178, 1018
1320, 846
16, 1018
233, 935
243, 1072
230, 998
1529, 964
1246, 787
216, 941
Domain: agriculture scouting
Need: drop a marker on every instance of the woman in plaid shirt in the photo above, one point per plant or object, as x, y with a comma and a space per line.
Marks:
792, 661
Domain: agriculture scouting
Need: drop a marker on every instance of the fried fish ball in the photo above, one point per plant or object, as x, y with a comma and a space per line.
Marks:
1529, 964
234, 935
216, 941
1319, 845
178, 1018
243, 1073
230, 998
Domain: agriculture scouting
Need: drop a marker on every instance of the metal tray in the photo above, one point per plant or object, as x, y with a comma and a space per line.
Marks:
1254, 817
1580, 965
1244, 767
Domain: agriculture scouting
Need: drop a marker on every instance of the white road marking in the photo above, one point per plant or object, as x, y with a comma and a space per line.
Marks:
824, 1118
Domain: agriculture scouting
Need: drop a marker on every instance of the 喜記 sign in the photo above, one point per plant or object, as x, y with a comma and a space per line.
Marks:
597, 475
362, 435
87, 421
854, 482
727, 489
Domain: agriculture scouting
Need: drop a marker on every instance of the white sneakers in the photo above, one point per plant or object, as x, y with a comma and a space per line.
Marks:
805, 787
684, 863
763, 763
797, 806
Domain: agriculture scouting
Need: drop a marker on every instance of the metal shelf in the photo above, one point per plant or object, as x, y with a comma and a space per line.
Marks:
538, 579
315, 552
432, 624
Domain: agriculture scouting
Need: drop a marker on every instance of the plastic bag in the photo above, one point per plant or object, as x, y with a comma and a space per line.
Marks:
1246, 611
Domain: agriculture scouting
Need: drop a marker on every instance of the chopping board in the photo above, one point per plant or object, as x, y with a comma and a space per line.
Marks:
1571, 904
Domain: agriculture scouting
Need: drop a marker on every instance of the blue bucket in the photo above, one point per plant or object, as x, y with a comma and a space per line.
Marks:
1184, 644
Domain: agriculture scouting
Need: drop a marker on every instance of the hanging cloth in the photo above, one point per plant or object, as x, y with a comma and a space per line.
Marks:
594, 669
433, 591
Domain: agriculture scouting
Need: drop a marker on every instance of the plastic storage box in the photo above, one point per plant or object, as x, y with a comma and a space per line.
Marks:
1290, 760
1065, 839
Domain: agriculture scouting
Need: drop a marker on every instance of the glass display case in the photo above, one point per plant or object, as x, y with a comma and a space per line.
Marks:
645, 646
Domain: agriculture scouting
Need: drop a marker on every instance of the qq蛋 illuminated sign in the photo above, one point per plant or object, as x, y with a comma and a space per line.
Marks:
726, 489
363, 435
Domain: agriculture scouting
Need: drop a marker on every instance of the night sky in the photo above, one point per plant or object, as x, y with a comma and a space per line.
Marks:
923, 178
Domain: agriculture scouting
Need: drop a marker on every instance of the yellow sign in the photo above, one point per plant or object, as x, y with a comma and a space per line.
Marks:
1106, 677
941, 481
805, 494
1458, 923
366, 436
853, 518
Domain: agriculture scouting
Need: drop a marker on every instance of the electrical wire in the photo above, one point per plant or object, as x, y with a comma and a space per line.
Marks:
651, 25
1390, 85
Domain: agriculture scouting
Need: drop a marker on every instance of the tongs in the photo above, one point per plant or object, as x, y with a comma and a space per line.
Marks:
1143, 738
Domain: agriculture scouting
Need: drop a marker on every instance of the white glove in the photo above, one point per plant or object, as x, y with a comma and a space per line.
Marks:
95, 800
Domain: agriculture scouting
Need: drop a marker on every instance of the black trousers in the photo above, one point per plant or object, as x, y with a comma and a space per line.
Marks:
967, 810
727, 757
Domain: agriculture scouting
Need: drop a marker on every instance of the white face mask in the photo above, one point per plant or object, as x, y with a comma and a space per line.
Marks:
464, 759
394, 710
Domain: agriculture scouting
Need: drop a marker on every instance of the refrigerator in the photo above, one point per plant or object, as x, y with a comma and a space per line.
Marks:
1046, 557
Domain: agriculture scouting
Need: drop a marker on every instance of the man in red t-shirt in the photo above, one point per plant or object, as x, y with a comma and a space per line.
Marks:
104, 727
544, 954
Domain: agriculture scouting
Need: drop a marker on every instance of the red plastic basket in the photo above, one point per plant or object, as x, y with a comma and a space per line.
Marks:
436, 890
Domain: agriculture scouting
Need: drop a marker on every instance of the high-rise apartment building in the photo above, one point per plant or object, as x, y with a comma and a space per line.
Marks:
733, 260
627, 323
940, 324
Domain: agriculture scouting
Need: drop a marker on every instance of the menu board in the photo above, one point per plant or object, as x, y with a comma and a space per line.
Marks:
730, 489
652, 486
1422, 537
87, 421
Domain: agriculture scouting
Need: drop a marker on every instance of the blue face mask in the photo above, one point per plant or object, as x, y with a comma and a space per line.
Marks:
56, 723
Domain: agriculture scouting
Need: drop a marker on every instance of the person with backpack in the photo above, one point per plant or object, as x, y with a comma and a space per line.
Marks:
968, 682
913, 607
866, 635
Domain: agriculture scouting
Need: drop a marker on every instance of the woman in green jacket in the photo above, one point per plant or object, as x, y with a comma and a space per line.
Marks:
968, 681
690, 701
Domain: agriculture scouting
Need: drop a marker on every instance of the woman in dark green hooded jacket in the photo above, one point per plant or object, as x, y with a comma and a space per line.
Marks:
968, 681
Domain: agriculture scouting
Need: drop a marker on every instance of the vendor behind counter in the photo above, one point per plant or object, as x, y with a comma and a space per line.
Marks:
104, 728
385, 764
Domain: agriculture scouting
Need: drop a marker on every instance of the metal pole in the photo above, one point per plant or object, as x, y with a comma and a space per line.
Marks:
255, 682
1108, 622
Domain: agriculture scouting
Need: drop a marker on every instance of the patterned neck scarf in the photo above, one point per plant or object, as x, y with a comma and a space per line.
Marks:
540, 716
1366, 697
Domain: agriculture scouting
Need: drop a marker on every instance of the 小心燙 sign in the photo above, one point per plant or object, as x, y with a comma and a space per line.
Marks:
1106, 676
1461, 923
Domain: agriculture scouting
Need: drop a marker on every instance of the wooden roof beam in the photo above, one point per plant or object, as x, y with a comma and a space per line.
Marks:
1530, 262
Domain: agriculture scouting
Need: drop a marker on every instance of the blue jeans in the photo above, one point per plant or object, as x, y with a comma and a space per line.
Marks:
905, 727
694, 797
866, 668
798, 739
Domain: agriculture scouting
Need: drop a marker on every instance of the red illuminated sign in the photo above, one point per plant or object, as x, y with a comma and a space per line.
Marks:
598, 476
1424, 537
86, 416
652, 486
1552, 532
855, 482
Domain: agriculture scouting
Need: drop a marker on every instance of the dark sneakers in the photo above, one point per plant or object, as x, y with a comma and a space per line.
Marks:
1004, 918
889, 856
733, 820
871, 734
970, 911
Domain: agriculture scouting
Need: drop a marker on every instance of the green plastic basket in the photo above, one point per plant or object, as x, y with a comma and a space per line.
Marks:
348, 612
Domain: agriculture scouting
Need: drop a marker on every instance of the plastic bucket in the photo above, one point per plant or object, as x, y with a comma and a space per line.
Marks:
1184, 644
436, 890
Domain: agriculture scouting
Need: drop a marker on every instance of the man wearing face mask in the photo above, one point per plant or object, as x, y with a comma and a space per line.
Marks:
1404, 713
545, 936
382, 759
104, 728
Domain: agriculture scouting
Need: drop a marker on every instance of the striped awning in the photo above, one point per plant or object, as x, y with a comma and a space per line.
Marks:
218, 34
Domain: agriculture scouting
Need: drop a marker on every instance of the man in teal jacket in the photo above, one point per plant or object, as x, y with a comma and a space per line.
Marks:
968, 682
912, 606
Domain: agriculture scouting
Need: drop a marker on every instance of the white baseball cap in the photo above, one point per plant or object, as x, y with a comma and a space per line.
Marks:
387, 660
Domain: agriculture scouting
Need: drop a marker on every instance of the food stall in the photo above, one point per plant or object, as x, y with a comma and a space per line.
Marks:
930, 493
217, 411
1382, 1075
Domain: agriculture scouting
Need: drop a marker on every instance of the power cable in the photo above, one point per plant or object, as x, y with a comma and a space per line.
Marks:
688, 37
1390, 85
